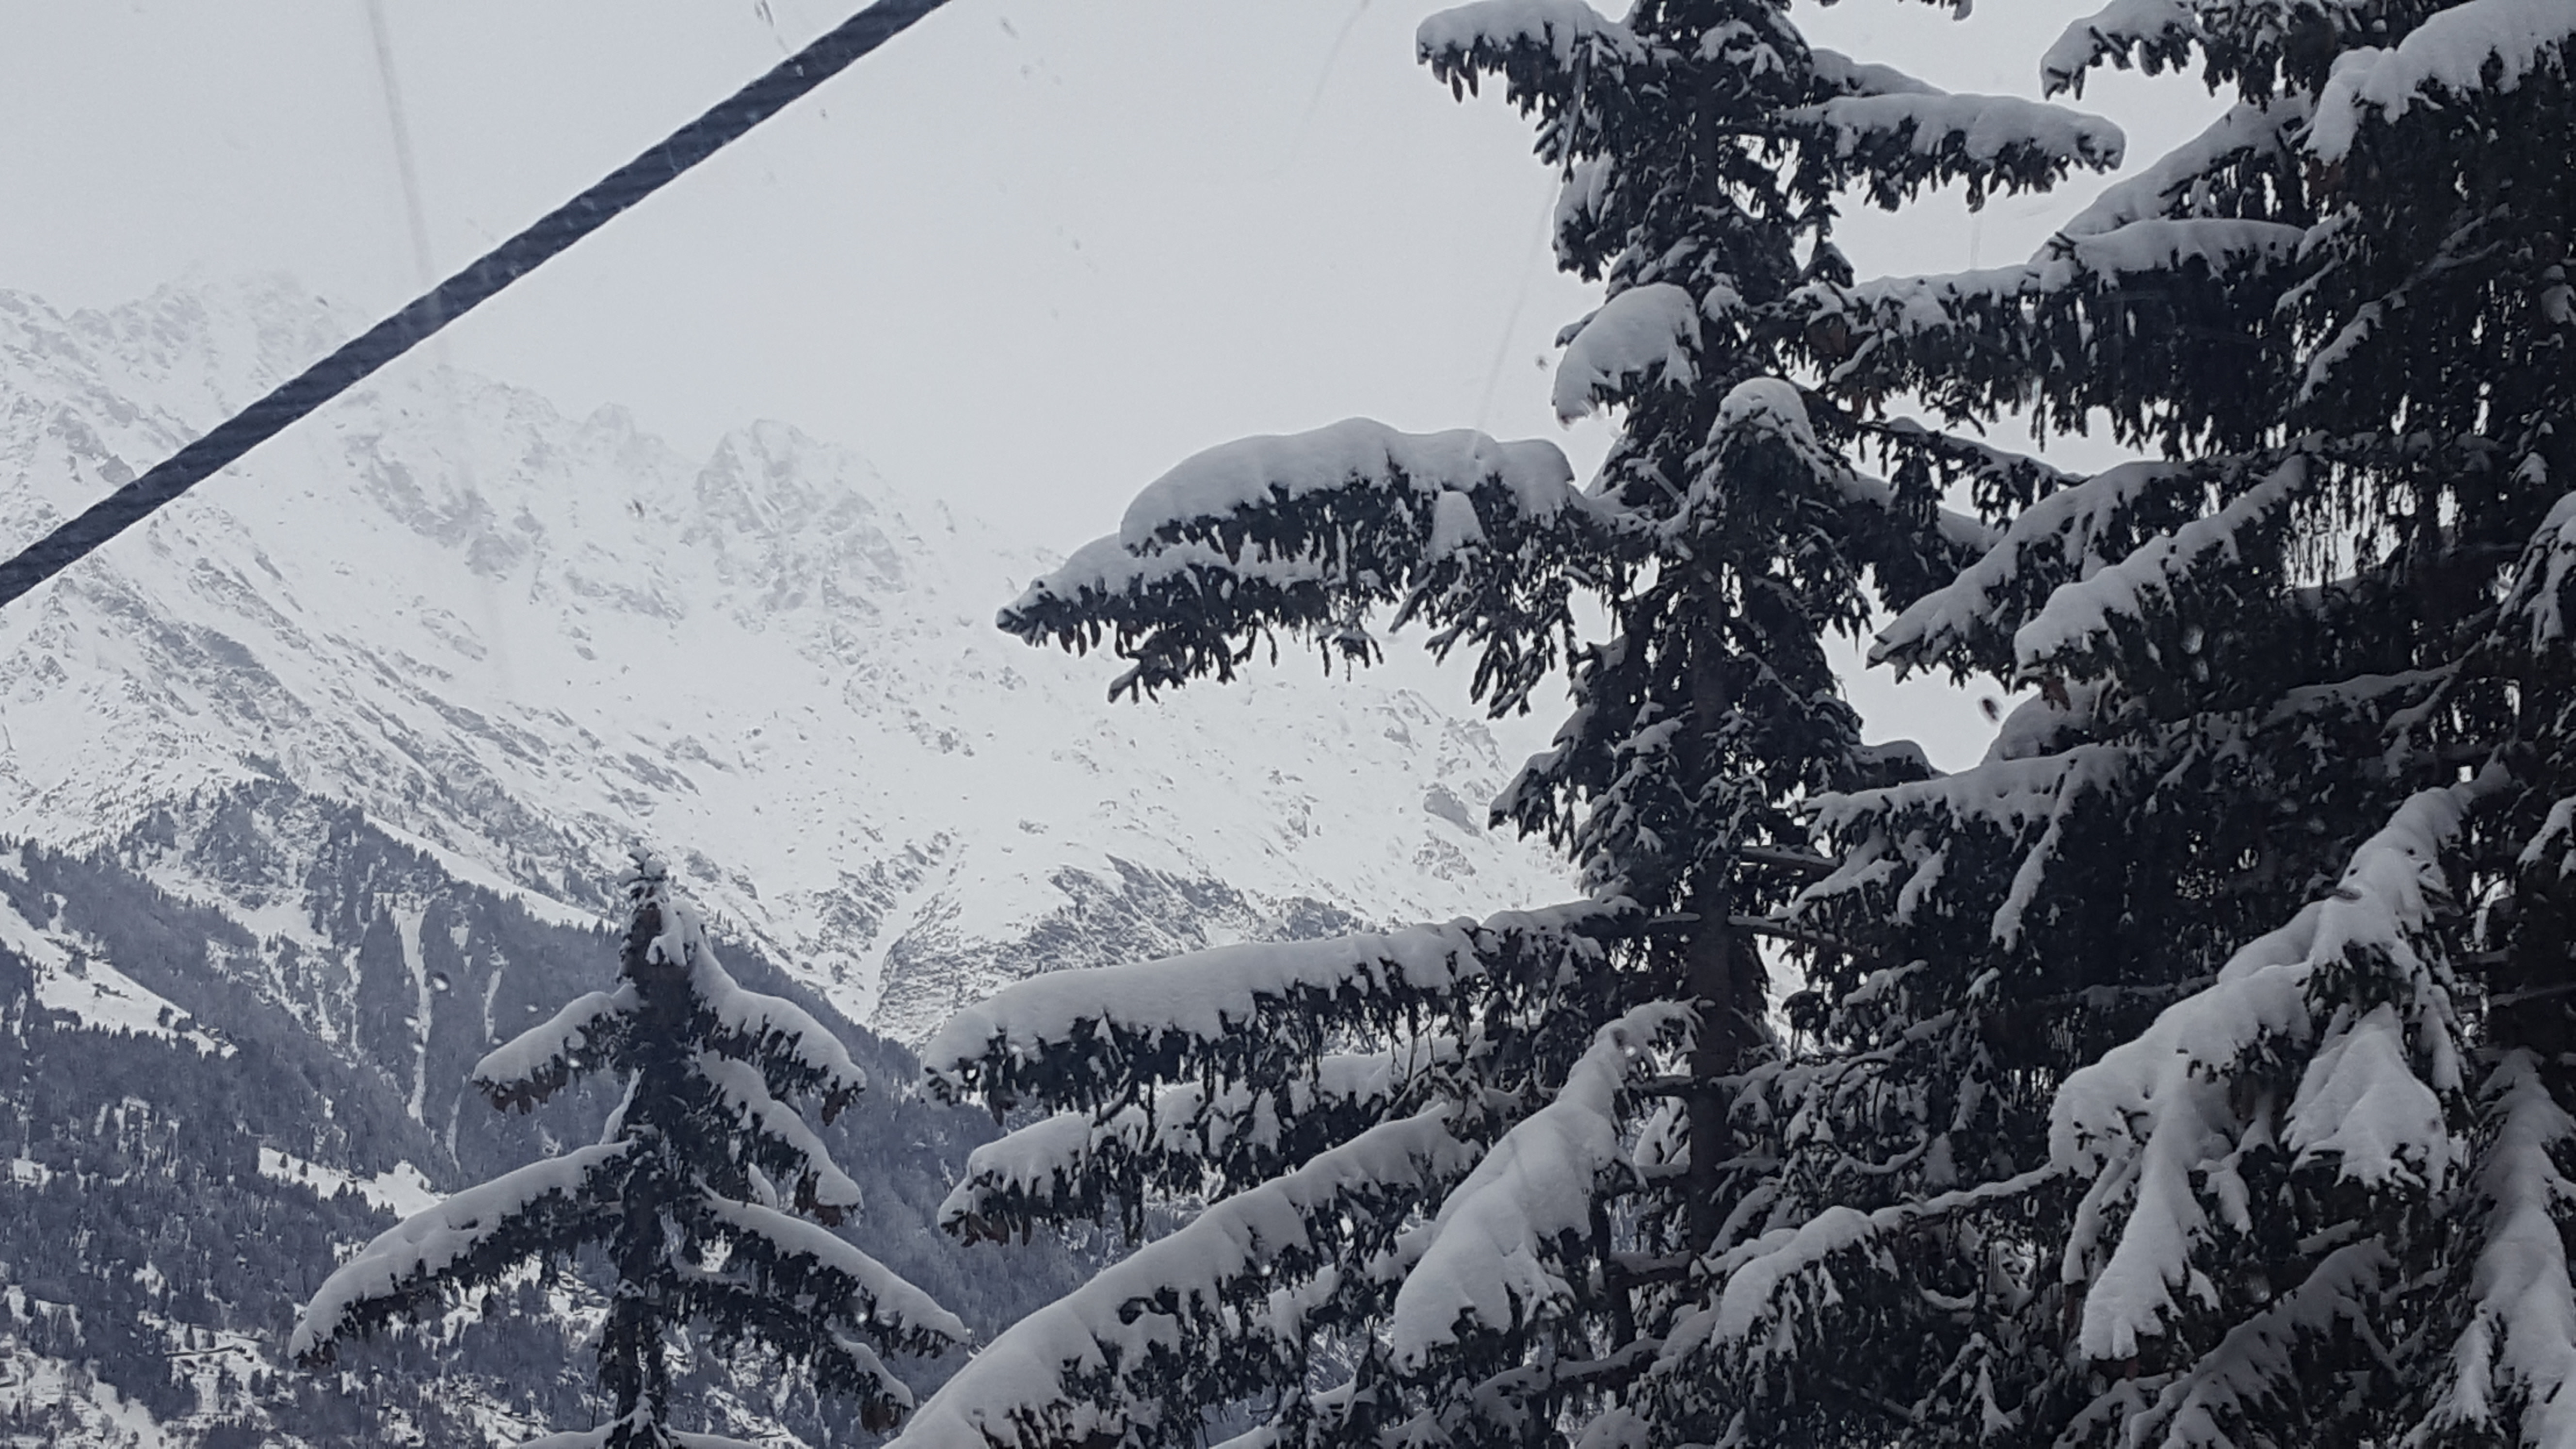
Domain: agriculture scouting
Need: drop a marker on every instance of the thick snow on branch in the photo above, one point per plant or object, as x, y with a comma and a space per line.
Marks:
1982, 129
1251, 472
1882, 329
2449, 55
2157, 1112
2160, 188
2232, 1387
1161, 1006
784, 1244
1839, 72
2147, 247
1048, 1160
1772, 407
1173, 1291
745, 1100
2060, 535
2361, 1104
1643, 332
760, 1028
1493, 26
2080, 616
1155, 541
1202, 995
427, 1247
531, 1066
2556, 833
2544, 582
772, 1034
2011, 796
2519, 1350
1486, 1259
2114, 31
1774, 1284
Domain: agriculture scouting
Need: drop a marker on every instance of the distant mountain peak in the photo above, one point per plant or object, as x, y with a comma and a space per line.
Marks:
525, 641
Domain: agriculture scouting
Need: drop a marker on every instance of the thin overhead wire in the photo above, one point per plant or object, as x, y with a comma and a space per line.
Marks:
728, 121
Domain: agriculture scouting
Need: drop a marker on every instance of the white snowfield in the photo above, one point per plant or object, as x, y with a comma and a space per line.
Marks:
74, 976
520, 640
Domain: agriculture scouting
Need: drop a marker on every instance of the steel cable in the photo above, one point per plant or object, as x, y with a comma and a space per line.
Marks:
726, 122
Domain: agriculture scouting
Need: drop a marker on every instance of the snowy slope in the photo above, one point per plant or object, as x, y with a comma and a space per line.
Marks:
522, 641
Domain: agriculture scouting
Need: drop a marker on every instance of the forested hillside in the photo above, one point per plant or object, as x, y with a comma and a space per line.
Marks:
203, 1120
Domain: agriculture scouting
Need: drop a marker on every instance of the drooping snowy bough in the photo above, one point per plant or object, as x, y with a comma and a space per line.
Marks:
694, 1189
1459, 1183
2243, 959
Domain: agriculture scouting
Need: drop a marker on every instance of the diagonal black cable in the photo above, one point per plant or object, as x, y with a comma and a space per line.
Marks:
722, 125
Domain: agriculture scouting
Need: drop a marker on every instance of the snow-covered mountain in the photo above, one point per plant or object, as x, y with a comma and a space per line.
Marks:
522, 641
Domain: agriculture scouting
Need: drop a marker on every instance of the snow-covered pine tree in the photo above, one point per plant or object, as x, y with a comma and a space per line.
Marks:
1461, 1180
693, 1190
2218, 1021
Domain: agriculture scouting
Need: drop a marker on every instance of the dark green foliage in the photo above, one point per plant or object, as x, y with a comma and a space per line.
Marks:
1584, 1092
227, 1254
683, 1193
2225, 971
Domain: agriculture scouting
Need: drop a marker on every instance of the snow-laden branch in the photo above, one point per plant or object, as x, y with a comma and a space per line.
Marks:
1307, 534
536, 1063
558, 1202
2028, 801
2517, 1356
2543, 600
2230, 1391
1485, 1263
1074, 1162
2480, 46
2159, 33
1644, 334
1977, 130
793, 1051
1776, 1286
2082, 617
819, 1185
802, 1262
1181, 1295
2059, 539
2158, 1121
1082, 1037
2166, 186
1489, 29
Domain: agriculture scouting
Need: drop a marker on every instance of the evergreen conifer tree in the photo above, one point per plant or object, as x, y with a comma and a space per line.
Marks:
1462, 1183
692, 1190
2210, 1039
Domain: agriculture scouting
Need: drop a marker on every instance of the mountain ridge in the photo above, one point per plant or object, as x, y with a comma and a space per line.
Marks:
521, 641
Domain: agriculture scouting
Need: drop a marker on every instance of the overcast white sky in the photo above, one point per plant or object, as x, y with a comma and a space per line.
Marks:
1031, 253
